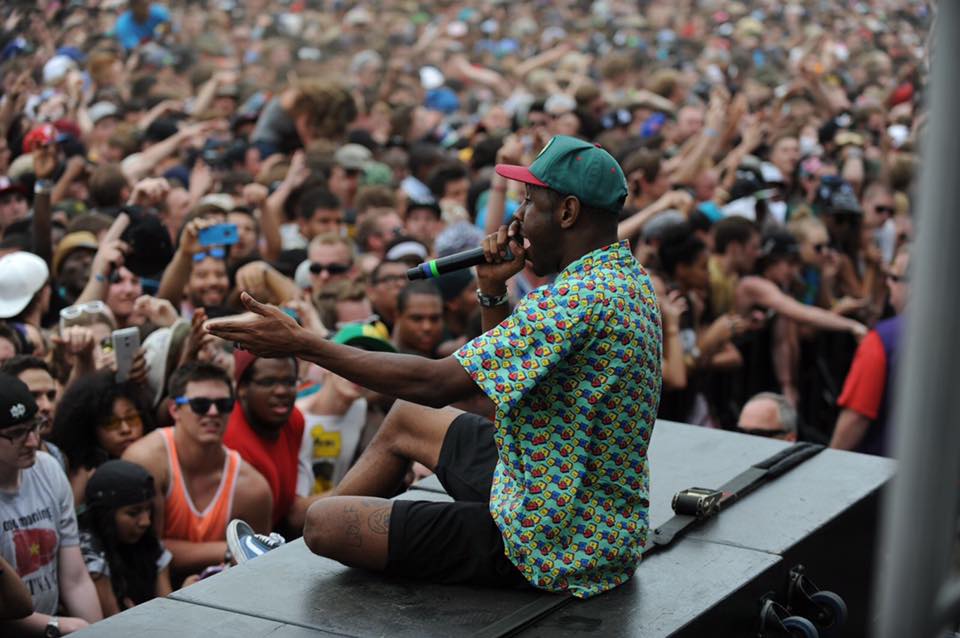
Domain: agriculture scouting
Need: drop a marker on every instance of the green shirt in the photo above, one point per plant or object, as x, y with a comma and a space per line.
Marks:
574, 372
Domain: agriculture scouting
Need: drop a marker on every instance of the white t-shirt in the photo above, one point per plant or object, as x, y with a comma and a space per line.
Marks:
35, 522
330, 444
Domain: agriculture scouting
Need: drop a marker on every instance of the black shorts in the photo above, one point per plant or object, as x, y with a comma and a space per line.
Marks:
455, 542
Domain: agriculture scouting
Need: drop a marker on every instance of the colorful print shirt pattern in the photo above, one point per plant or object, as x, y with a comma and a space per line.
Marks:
574, 372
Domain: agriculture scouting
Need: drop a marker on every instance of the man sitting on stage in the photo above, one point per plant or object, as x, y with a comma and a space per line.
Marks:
555, 492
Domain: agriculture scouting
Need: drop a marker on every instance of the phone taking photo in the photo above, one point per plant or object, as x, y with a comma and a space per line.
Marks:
126, 342
218, 235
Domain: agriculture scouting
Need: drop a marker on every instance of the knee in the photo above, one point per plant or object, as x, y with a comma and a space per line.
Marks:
316, 528
396, 424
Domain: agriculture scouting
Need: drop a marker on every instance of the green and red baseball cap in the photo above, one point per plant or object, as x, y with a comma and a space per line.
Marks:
572, 166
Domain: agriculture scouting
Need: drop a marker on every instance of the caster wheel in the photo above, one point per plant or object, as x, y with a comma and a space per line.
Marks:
833, 611
799, 627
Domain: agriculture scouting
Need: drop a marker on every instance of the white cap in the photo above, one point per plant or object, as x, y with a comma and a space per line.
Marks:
431, 77
218, 200
302, 276
22, 275
57, 68
559, 104
101, 110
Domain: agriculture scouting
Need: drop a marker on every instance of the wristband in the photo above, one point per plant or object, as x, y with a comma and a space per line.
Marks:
100, 278
43, 187
492, 301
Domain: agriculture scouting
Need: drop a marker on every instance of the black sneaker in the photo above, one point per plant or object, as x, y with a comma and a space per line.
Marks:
244, 544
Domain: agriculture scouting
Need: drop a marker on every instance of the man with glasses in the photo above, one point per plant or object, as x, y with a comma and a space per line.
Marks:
201, 484
863, 424
768, 414
331, 259
38, 525
35, 373
267, 430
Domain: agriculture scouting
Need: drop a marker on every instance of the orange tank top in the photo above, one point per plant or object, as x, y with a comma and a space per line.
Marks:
181, 518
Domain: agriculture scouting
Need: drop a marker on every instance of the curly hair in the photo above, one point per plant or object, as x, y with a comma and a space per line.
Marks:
329, 107
87, 403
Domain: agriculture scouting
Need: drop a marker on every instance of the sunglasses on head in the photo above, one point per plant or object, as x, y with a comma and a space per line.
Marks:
90, 308
201, 405
333, 269
215, 253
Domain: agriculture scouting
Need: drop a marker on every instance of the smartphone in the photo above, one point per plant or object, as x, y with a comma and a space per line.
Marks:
219, 235
126, 341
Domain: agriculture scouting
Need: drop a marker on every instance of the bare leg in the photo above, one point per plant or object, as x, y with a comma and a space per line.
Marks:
350, 529
410, 432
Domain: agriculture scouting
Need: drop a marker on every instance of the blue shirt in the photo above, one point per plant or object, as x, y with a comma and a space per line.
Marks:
132, 33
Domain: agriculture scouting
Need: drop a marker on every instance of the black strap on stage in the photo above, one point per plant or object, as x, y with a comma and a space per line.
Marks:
702, 505
730, 492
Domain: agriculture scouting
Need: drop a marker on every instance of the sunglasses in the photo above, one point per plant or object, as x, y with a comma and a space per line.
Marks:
201, 405
115, 423
90, 308
886, 210
214, 253
332, 269
820, 248
761, 432
18, 436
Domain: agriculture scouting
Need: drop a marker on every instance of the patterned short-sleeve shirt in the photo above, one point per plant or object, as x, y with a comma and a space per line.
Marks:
574, 372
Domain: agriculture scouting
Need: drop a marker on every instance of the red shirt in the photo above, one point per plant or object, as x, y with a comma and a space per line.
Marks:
863, 389
276, 460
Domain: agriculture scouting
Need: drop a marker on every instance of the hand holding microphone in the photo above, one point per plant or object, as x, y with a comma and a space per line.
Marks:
500, 256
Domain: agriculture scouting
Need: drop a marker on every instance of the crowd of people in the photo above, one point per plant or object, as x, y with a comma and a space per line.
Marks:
158, 159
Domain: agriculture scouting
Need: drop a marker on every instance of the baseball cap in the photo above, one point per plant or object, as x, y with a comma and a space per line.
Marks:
573, 167
71, 242
57, 68
353, 157
118, 483
102, 110
22, 275
7, 185
778, 242
16, 403
39, 136
364, 336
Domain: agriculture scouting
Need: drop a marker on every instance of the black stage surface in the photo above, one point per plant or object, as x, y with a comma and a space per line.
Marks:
821, 514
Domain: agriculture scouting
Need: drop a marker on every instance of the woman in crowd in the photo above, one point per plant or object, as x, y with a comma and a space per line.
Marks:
120, 547
97, 420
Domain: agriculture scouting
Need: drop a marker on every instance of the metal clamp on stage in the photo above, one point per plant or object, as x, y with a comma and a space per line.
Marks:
696, 501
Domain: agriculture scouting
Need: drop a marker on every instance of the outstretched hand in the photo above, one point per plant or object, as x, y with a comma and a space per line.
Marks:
266, 331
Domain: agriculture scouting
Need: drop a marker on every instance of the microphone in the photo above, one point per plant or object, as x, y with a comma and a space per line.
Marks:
457, 261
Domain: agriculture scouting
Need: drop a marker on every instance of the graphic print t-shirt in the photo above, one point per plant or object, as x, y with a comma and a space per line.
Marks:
35, 521
330, 444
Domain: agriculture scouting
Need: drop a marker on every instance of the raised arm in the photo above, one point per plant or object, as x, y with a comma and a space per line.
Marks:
766, 294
